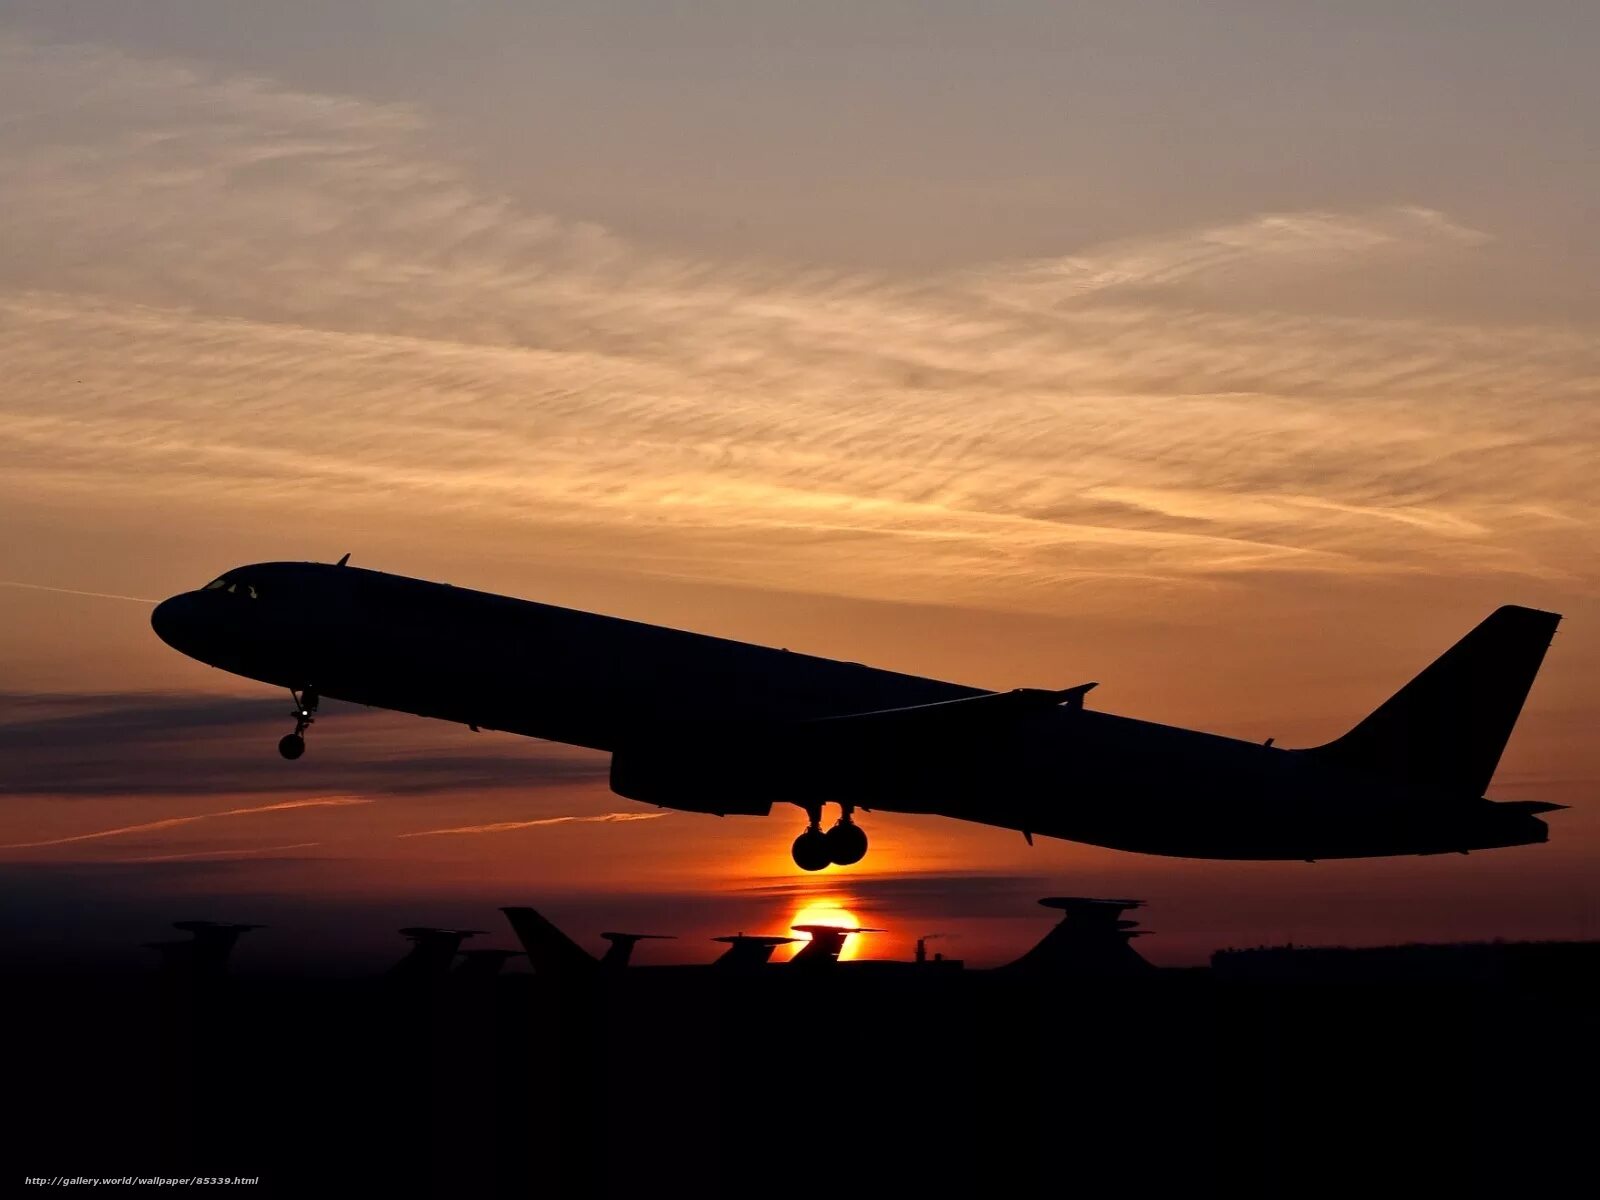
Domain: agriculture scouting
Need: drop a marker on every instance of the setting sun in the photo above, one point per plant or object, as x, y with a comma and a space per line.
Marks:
829, 912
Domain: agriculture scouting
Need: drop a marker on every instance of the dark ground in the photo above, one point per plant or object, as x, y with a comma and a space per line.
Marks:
1249, 1080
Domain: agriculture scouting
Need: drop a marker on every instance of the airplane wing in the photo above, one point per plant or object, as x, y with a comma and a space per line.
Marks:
726, 767
968, 711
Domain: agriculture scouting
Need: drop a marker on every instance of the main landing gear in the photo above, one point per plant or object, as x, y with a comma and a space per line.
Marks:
293, 745
844, 844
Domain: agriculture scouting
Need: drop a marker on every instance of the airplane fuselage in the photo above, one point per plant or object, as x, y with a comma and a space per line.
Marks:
624, 687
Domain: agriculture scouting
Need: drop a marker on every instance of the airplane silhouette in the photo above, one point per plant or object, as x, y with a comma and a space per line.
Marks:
622, 944
704, 724
1090, 941
749, 949
205, 954
482, 964
432, 952
552, 953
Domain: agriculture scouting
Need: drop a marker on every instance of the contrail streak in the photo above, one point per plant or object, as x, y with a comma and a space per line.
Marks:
503, 826
44, 587
154, 858
170, 822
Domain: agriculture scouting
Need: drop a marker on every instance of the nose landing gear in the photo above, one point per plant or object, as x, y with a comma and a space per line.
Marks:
293, 745
844, 844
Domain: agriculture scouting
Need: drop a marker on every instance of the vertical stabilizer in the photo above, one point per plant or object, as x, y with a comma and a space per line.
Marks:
1445, 730
550, 952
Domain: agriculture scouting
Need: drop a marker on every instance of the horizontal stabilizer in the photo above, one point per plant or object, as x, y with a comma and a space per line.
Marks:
1088, 904
1532, 807
830, 930
755, 939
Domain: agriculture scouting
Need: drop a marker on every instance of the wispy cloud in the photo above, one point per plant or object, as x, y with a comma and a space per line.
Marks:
508, 826
952, 893
1183, 408
1277, 240
171, 744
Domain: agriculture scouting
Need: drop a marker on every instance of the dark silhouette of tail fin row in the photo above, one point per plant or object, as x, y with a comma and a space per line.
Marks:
620, 952
1090, 941
1446, 729
549, 950
826, 943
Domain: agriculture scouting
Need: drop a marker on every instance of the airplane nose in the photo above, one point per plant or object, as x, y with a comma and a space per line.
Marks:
171, 618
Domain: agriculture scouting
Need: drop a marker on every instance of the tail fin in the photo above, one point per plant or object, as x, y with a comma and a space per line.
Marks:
1445, 730
551, 952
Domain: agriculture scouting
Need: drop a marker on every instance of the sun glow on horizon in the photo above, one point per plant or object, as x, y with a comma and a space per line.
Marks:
829, 912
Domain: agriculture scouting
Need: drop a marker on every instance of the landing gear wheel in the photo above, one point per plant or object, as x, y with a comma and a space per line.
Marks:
811, 850
846, 843
293, 745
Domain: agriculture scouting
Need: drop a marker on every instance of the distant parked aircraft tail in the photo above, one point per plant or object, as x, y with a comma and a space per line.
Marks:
1445, 730
551, 952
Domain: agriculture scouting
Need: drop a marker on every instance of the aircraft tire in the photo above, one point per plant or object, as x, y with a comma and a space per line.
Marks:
811, 850
291, 745
847, 843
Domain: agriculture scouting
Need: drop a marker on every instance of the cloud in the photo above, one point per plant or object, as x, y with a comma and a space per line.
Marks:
231, 187
174, 744
929, 895
1301, 243
195, 258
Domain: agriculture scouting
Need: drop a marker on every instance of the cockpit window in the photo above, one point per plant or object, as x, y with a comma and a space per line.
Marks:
236, 587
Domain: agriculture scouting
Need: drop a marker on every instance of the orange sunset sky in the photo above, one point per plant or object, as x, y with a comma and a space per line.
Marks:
1238, 356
